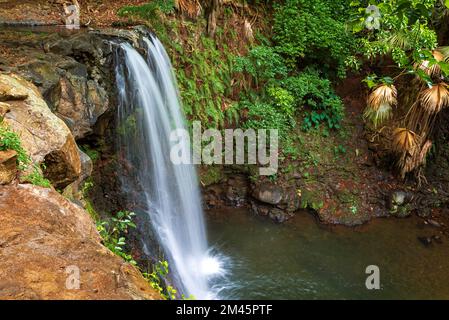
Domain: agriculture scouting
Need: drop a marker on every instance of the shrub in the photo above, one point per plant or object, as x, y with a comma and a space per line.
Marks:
113, 233
316, 96
267, 116
312, 29
36, 178
262, 63
148, 10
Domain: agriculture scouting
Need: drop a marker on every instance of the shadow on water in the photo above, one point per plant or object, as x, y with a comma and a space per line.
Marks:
303, 260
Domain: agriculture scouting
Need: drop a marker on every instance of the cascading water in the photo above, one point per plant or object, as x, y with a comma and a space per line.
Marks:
149, 109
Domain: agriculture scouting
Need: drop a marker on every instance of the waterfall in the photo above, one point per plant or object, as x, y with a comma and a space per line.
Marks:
149, 109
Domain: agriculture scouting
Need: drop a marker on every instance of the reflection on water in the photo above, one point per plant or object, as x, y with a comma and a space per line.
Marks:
303, 260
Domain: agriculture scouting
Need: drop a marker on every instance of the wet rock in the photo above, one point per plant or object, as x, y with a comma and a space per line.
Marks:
8, 166
75, 76
80, 103
426, 241
44, 237
44, 136
86, 166
268, 193
260, 209
279, 216
434, 223
397, 203
237, 191
73, 191
437, 239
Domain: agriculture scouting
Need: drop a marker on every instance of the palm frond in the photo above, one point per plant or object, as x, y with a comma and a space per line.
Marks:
399, 39
404, 141
444, 50
377, 116
435, 98
383, 94
432, 69
380, 103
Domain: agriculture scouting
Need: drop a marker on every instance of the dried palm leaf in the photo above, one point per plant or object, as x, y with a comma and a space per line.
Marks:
409, 162
404, 141
383, 94
444, 52
433, 70
190, 7
435, 98
377, 116
379, 104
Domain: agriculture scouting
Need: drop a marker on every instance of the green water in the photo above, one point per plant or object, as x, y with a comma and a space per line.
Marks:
303, 260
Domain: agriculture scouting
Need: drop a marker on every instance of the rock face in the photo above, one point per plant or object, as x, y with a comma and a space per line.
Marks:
44, 136
73, 72
8, 167
45, 240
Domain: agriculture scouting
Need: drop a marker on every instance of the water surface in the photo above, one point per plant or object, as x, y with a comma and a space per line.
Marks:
303, 260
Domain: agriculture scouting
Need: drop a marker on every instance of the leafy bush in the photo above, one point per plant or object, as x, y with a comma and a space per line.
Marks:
148, 10
282, 99
262, 63
267, 116
157, 280
315, 30
316, 96
36, 178
403, 31
113, 233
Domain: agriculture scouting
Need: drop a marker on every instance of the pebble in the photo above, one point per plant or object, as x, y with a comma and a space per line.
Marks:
434, 223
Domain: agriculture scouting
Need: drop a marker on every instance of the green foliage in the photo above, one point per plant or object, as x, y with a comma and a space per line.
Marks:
93, 154
113, 233
317, 97
36, 178
267, 116
158, 282
204, 78
404, 30
9, 140
282, 99
262, 63
315, 30
149, 10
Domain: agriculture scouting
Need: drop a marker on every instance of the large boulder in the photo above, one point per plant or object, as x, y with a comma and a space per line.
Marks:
44, 136
8, 168
80, 103
48, 243
73, 72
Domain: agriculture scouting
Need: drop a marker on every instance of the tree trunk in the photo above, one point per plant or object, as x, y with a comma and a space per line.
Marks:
211, 14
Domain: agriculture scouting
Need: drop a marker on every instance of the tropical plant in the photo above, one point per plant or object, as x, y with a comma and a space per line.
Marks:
36, 177
404, 33
380, 104
157, 279
113, 233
